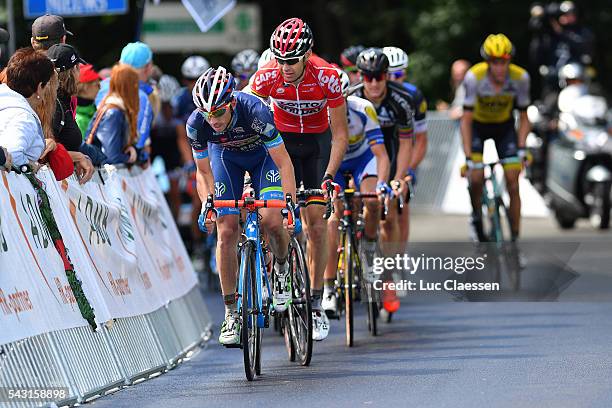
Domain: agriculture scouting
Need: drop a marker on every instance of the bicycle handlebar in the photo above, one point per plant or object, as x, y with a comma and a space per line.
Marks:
303, 195
251, 204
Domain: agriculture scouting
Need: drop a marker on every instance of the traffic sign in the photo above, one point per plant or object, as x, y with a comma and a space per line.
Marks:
74, 8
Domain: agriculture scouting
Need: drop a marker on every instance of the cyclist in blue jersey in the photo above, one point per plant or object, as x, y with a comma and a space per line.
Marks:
232, 133
367, 161
398, 63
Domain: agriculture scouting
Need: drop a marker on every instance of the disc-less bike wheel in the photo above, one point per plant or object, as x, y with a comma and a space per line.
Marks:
348, 289
300, 309
367, 292
250, 335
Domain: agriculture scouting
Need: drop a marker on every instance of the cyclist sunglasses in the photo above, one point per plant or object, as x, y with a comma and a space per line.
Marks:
217, 112
370, 77
288, 61
396, 74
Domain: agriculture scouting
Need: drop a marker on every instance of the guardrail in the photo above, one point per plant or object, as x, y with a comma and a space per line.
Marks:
82, 313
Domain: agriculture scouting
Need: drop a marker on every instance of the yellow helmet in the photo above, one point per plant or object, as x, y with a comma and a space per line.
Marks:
497, 46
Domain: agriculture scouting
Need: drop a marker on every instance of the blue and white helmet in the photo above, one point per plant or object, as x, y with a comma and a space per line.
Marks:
168, 88
245, 61
213, 89
194, 66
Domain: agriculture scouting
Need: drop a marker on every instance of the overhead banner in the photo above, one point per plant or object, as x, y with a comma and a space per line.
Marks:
120, 239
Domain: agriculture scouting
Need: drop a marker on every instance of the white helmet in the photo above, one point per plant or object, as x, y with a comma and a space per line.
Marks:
569, 72
213, 89
266, 57
194, 66
168, 87
245, 61
344, 81
398, 59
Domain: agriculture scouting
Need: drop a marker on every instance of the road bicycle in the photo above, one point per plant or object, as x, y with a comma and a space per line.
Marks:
254, 302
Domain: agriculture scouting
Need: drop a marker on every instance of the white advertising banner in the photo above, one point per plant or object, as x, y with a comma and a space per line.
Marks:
120, 239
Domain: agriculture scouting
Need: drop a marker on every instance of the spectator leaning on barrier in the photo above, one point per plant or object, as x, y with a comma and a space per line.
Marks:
138, 56
114, 127
30, 80
87, 89
65, 128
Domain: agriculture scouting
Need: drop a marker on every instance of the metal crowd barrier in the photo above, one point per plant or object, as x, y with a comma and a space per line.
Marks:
90, 364
434, 173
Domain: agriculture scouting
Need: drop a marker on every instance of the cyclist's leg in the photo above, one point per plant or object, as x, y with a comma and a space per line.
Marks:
265, 179
333, 234
313, 167
329, 301
477, 175
229, 177
315, 225
365, 177
508, 152
476, 179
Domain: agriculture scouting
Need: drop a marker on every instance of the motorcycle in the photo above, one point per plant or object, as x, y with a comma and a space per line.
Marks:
579, 169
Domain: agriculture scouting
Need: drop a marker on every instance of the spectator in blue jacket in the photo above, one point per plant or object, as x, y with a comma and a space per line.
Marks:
114, 128
139, 56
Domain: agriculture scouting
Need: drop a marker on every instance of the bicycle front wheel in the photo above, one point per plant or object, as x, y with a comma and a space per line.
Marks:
250, 332
348, 288
300, 309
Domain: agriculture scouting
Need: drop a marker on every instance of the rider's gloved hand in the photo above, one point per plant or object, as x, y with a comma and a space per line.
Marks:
412, 174
189, 167
383, 187
328, 184
202, 224
524, 156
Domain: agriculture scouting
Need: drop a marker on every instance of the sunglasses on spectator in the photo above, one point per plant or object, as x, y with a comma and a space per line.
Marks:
217, 112
288, 61
370, 77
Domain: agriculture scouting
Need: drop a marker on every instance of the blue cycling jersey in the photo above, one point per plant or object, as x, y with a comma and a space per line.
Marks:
183, 104
420, 121
252, 126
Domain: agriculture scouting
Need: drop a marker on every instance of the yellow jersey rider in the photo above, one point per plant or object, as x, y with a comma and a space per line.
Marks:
494, 88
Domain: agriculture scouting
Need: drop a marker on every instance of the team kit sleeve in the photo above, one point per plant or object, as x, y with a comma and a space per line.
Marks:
373, 133
420, 116
405, 129
196, 137
469, 85
522, 95
270, 136
262, 82
333, 89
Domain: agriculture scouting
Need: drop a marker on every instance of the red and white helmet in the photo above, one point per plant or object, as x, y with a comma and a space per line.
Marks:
291, 39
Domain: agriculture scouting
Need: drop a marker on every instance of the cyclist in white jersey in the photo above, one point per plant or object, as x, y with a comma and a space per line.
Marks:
367, 161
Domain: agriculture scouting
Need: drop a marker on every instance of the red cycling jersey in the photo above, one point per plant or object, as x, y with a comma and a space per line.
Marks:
300, 108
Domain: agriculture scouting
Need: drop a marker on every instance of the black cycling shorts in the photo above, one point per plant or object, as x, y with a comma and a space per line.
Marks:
309, 154
503, 134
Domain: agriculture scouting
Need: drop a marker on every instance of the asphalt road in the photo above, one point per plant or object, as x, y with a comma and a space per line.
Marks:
441, 353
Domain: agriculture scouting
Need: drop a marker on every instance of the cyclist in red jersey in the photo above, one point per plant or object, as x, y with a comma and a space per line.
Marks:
309, 112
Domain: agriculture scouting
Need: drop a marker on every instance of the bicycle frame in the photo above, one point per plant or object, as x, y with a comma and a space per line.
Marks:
251, 234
